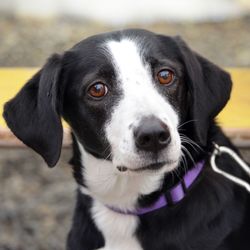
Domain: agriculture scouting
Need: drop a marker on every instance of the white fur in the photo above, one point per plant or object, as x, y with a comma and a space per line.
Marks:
140, 99
118, 229
106, 185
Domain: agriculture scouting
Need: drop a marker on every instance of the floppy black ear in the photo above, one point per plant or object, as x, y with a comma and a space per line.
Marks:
33, 114
209, 89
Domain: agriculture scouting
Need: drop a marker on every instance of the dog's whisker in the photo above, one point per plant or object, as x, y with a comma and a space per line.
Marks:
177, 173
191, 141
172, 175
193, 144
106, 149
190, 144
183, 160
108, 156
188, 154
184, 123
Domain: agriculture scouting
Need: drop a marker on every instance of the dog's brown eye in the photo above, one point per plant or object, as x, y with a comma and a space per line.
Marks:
98, 90
165, 76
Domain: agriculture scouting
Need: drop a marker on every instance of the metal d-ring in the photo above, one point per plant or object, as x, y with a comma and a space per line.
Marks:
218, 150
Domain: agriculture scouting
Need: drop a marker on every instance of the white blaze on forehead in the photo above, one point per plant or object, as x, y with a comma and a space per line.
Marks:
140, 98
136, 80
127, 59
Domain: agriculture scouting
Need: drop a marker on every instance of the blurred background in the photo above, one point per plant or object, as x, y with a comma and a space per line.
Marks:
36, 203
31, 30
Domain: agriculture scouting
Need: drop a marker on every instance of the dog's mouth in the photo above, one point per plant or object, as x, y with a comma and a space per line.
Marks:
152, 167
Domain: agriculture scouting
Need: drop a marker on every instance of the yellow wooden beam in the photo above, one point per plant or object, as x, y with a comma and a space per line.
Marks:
235, 115
11, 80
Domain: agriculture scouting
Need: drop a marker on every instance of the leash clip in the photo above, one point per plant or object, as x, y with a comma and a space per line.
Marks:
218, 150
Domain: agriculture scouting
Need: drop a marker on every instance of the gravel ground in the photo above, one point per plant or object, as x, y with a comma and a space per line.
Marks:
25, 42
37, 202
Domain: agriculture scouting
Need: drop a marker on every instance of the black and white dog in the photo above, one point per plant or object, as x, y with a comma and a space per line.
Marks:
141, 107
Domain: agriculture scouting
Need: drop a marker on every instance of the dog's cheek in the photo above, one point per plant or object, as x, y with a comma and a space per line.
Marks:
176, 145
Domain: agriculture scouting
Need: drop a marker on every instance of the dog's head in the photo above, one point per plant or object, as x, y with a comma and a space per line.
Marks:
124, 94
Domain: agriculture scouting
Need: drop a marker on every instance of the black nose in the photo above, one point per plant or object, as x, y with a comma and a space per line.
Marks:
152, 135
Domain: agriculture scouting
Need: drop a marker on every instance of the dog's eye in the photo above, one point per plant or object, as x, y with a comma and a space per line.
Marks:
165, 76
98, 90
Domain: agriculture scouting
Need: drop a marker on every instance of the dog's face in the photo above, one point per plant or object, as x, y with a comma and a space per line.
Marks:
124, 94
126, 100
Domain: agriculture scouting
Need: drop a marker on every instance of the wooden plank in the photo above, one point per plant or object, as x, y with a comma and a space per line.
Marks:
11, 80
235, 118
236, 114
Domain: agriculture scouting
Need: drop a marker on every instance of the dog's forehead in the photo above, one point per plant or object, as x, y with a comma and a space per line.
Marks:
126, 57
96, 48
120, 54
92, 57
98, 40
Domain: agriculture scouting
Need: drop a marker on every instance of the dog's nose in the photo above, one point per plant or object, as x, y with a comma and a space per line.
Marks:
152, 135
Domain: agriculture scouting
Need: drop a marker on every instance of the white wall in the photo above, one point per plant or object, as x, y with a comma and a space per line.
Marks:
124, 11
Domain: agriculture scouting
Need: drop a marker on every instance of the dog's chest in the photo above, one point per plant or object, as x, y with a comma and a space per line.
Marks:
118, 230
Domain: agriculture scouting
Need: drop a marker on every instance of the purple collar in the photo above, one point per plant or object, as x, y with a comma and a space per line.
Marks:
173, 196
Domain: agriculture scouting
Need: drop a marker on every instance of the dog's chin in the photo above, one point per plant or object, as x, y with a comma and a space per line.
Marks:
165, 166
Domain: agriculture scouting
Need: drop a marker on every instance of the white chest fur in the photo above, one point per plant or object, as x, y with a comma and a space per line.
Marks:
118, 229
106, 186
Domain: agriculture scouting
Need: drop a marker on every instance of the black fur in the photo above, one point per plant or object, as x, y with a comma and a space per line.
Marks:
215, 212
33, 115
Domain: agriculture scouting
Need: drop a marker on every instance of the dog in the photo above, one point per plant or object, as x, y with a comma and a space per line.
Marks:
142, 110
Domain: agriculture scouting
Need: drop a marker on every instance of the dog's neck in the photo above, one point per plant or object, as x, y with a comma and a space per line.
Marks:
98, 179
172, 196
111, 188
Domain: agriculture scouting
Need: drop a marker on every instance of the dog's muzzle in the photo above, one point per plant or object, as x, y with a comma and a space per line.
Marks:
151, 137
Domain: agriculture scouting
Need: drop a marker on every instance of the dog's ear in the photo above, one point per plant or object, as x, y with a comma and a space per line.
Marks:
33, 114
209, 89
